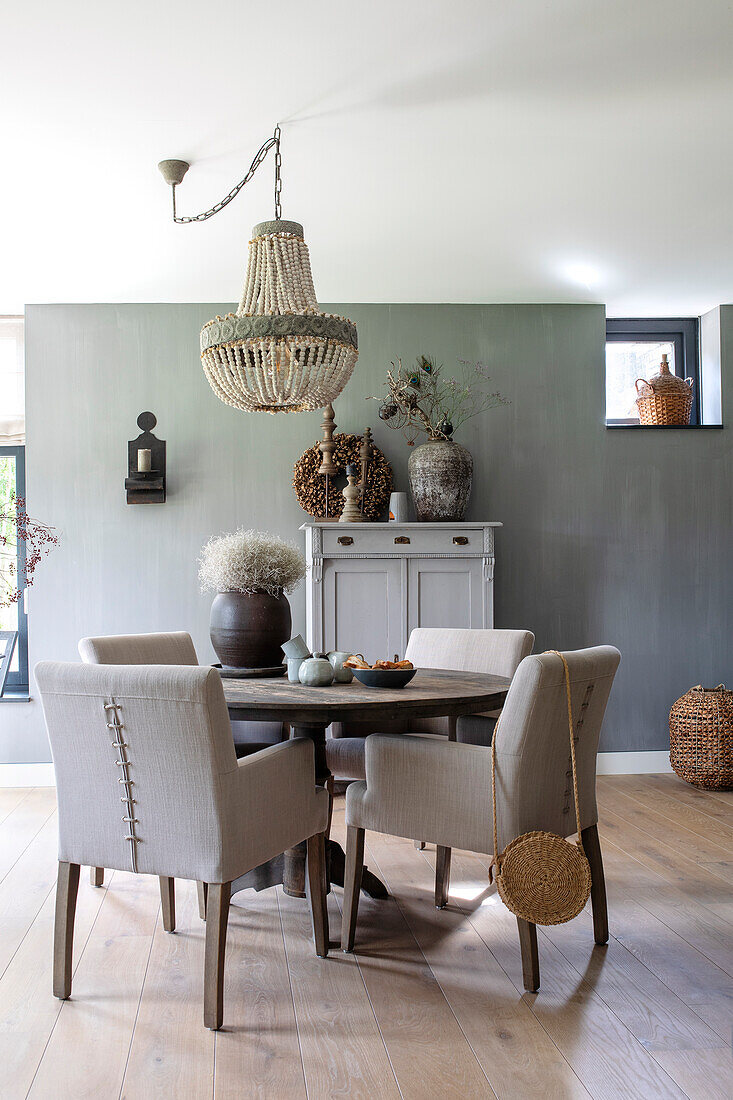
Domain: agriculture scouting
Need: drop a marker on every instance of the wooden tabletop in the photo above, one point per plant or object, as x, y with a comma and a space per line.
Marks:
431, 693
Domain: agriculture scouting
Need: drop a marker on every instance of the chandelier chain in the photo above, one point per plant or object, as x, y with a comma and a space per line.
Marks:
261, 154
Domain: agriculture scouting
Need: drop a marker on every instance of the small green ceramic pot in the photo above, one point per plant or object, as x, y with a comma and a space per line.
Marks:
316, 671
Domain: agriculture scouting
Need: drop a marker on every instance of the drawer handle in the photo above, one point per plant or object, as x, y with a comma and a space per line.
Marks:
460, 540
402, 540
345, 540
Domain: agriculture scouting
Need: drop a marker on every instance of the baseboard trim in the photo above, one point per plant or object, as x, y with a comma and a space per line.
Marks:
609, 763
27, 775
633, 763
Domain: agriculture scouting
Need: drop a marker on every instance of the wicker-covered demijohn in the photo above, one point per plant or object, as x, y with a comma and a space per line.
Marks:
701, 737
665, 398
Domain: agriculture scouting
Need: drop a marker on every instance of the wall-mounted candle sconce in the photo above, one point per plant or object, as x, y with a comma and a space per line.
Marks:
145, 481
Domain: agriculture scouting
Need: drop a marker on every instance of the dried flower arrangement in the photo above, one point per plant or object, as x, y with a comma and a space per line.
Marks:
420, 399
250, 561
16, 527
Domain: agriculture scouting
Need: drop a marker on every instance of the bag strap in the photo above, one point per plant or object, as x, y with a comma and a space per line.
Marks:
496, 861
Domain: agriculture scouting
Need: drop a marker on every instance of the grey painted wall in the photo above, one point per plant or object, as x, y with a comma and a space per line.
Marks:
609, 536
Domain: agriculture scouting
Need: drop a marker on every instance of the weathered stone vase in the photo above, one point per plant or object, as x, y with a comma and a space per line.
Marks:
247, 631
440, 473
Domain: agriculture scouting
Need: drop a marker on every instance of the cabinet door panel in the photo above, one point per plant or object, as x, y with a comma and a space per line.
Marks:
445, 593
362, 610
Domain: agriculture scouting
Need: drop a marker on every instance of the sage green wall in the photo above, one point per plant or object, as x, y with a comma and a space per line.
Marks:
609, 536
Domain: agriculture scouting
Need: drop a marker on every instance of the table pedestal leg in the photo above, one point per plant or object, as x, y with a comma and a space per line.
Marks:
294, 858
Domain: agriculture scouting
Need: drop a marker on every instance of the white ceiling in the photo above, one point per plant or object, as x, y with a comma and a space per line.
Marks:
436, 151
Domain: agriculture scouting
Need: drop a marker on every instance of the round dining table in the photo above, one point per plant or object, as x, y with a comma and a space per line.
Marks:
309, 711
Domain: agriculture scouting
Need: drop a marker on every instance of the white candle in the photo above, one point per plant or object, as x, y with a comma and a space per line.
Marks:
143, 460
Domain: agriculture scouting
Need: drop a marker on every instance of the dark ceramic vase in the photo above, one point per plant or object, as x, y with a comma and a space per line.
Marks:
247, 631
440, 473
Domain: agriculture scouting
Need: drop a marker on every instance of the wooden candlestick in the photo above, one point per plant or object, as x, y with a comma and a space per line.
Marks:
327, 447
365, 453
351, 512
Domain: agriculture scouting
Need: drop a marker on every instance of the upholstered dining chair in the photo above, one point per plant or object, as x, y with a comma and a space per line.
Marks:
417, 786
148, 781
169, 648
495, 652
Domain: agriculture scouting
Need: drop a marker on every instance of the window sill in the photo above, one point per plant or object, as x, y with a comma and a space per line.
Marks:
15, 695
665, 427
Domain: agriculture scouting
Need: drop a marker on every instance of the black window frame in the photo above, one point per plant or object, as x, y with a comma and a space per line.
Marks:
17, 683
683, 332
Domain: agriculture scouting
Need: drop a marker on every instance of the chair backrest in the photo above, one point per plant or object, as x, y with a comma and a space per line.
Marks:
163, 728
495, 652
175, 648
534, 784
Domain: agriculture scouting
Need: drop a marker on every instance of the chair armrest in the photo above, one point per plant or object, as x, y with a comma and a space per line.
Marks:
273, 802
425, 789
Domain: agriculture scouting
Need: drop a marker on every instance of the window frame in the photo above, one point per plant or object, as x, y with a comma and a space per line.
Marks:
683, 332
18, 682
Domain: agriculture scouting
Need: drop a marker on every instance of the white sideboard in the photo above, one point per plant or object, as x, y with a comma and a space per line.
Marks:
369, 584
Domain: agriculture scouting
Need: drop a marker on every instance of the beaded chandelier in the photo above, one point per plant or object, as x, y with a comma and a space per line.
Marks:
279, 352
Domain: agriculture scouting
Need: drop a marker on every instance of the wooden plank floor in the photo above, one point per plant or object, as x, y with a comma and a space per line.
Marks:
430, 1005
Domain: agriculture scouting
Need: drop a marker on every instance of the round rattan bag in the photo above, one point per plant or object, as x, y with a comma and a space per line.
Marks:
540, 876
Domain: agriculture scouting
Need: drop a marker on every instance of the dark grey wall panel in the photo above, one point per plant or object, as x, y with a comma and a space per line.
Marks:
609, 536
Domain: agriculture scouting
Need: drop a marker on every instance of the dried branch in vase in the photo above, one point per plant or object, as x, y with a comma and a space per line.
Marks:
18, 529
421, 399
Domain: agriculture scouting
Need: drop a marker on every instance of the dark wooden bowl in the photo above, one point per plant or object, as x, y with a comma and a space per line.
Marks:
384, 677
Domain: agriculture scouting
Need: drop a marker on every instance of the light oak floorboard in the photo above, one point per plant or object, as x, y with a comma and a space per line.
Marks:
706, 1076
432, 1003
513, 1049
696, 847
87, 1053
10, 797
603, 1052
429, 1051
673, 805
259, 1041
25, 888
341, 1046
666, 859
28, 1011
172, 1054
23, 823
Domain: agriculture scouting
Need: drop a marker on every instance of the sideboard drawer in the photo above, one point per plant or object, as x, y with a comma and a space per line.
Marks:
344, 539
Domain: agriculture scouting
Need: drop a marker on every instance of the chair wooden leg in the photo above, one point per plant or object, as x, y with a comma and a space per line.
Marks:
217, 914
96, 876
419, 845
315, 888
592, 848
442, 876
352, 885
168, 900
530, 958
67, 887
202, 889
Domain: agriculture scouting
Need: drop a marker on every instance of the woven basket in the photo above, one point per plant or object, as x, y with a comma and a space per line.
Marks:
701, 737
665, 398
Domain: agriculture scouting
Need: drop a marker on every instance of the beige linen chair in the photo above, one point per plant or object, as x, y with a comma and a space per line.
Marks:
426, 787
171, 648
495, 652
148, 781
